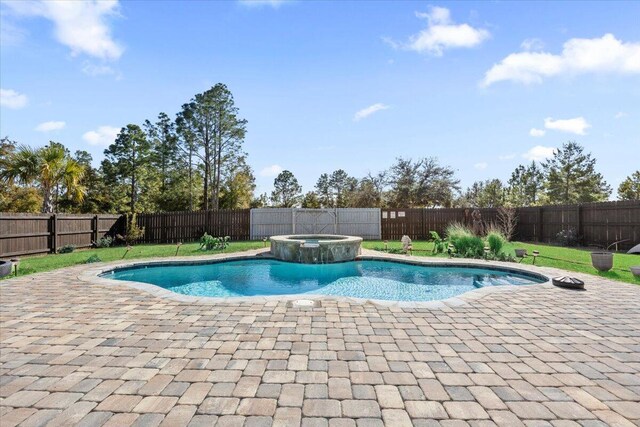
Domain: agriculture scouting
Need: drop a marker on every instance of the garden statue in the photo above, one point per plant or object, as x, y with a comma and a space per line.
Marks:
406, 244
477, 227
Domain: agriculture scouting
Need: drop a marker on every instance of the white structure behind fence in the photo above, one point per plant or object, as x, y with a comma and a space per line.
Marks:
266, 222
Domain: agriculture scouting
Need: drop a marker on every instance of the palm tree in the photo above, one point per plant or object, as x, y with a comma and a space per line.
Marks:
49, 168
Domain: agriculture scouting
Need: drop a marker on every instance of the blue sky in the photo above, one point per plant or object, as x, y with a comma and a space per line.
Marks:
483, 86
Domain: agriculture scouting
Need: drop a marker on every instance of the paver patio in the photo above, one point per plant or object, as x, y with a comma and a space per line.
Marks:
74, 352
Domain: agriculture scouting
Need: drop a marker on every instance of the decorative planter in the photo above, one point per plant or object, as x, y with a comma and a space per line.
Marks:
5, 268
636, 271
602, 261
521, 253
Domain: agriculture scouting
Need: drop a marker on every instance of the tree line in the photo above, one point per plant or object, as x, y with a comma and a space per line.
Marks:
196, 161
568, 177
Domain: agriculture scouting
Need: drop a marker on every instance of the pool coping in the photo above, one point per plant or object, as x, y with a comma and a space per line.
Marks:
92, 275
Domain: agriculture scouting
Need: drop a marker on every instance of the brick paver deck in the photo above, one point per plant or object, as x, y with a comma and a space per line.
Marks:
90, 354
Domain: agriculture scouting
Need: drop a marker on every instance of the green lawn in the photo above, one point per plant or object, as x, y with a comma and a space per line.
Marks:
550, 256
36, 264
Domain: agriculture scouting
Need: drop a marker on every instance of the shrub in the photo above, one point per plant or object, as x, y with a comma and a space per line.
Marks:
467, 244
456, 230
439, 244
133, 233
104, 242
67, 249
507, 222
93, 258
495, 241
568, 237
208, 242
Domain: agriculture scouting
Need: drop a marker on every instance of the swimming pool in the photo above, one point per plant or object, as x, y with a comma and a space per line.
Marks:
370, 279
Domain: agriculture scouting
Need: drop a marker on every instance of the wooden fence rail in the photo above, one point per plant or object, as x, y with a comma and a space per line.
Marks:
596, 224
28, 234
173, 227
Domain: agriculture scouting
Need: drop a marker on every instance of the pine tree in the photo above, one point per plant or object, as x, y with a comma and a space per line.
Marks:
127, 163
287, 191
570, 177
525, 187
629, 189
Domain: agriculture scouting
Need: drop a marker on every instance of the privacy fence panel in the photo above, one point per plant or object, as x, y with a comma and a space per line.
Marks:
173, 227
266, 222
596, 224
315, 221
362, 222
29, 234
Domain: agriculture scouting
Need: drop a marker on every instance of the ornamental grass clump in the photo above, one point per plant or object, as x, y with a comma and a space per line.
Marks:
495, 240
466, 244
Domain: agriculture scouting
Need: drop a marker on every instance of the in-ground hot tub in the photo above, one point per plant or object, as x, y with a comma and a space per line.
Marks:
315, 248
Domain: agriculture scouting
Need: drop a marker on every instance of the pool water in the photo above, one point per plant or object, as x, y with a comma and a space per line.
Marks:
360, 279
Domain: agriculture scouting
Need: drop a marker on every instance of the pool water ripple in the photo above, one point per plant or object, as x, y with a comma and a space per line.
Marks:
368, 279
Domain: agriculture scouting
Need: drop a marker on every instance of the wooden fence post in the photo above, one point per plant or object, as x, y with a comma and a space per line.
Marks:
54, 233
579, 222
96, 228
539, 235
163, 228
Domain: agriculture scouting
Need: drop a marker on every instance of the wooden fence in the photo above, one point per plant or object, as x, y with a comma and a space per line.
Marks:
28, 234
596, 224
363, 222
173, 227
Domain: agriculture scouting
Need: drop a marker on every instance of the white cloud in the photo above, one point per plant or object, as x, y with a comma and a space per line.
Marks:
442, 34
506, 157
50, 126
599, 55
271, 171
577, 125
537, 133
80, 25
104, 135
532, 44
539, 153
11, 99
481, 165
259, 3
620, 115
366, 112
10, 34
97, 70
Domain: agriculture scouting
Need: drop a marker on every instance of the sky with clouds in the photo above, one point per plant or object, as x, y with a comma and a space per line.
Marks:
483, 86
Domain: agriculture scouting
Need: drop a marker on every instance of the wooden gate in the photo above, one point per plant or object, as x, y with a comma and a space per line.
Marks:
314, 221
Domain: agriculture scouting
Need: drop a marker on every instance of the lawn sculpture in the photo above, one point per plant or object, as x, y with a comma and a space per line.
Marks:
476, 221
407, 247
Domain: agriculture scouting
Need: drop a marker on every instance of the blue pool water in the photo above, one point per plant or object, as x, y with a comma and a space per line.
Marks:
361, 279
